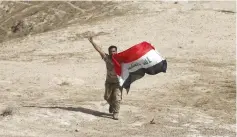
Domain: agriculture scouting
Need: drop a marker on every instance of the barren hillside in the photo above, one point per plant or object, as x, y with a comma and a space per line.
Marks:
52, 80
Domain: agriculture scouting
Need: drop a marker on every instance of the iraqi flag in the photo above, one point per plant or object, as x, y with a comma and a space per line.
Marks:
133, 63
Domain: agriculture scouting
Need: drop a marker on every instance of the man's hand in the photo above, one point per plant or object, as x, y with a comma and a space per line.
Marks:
97, 48
90, 39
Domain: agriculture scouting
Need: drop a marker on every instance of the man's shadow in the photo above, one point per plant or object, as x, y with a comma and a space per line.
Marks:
79, 109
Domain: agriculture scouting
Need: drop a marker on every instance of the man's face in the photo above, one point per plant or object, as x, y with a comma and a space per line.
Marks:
112, 51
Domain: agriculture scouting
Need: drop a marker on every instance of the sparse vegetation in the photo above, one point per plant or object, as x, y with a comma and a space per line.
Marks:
64, 83
6, 112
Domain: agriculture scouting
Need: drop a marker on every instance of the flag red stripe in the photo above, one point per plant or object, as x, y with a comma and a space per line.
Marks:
133, 53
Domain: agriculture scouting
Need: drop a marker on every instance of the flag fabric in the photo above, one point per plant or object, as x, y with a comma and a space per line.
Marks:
133, 63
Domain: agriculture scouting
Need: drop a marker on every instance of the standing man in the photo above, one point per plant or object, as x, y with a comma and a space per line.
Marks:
113, 93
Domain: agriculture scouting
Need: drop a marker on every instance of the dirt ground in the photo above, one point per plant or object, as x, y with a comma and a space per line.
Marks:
52, 80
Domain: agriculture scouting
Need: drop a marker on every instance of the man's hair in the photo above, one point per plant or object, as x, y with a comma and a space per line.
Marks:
111, 47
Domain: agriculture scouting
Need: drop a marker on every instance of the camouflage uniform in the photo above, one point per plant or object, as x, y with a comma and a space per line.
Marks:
112, 93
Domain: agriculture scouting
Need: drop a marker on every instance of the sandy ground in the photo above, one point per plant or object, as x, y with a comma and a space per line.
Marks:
52, 83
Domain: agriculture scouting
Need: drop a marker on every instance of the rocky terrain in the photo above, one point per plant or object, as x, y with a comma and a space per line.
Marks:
52, 80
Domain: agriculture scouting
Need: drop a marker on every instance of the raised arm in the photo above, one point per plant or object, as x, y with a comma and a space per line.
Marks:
97, 48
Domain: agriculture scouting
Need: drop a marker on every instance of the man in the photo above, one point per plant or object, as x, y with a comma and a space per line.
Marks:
113, 93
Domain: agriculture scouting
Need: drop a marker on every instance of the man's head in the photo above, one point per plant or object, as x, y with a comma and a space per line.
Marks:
112, 50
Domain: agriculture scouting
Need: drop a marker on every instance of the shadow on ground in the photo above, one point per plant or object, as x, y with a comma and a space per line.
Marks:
79, 109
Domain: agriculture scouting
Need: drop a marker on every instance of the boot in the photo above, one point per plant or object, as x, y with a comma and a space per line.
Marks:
115, 116
110, 109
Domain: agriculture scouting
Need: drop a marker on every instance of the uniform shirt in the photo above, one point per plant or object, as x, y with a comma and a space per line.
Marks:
111, 76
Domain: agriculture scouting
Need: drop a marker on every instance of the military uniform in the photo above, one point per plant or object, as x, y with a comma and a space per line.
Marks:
113, 93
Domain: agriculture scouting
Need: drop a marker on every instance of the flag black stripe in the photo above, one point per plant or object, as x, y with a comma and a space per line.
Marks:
153, 70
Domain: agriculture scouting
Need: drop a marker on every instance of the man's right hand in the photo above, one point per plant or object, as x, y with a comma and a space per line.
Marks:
97, 48
90, 39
